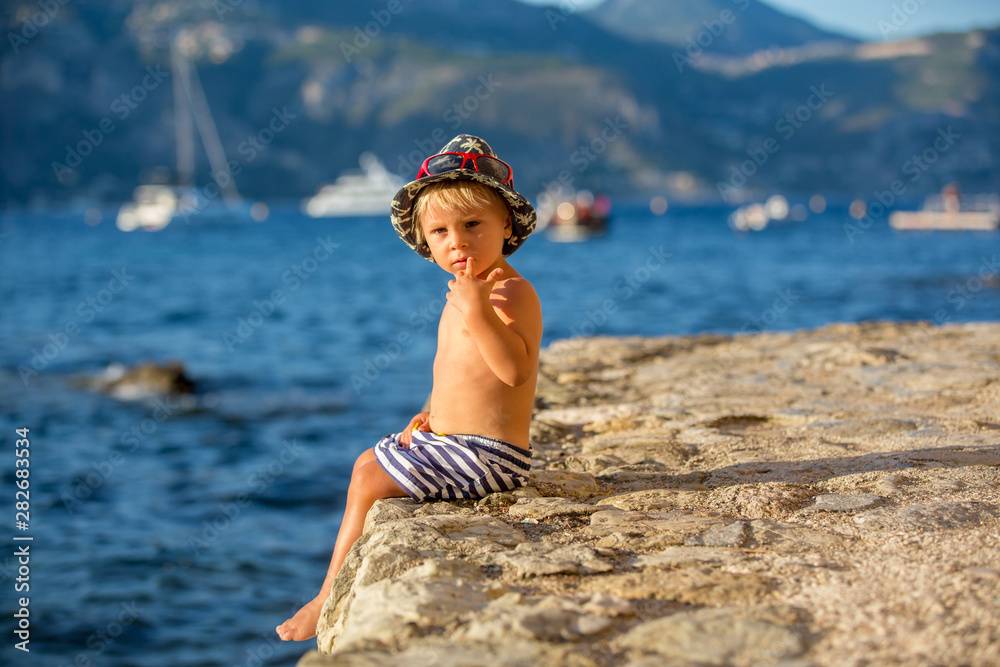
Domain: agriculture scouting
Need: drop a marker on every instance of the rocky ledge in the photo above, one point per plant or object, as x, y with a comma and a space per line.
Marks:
827, 497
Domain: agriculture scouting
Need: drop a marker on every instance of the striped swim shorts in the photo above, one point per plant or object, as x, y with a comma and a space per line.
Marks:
447, 467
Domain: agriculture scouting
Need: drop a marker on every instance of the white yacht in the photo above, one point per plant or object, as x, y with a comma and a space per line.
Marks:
951, 210
356, 193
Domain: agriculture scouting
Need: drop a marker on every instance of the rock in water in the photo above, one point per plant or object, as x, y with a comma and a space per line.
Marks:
145, 380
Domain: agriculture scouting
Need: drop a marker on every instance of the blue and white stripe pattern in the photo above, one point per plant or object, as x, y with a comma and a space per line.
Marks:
447, 467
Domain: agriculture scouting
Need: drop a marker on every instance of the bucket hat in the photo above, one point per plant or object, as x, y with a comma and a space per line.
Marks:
522, 213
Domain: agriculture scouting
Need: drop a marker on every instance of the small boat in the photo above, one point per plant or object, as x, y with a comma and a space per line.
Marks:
574, 217
951, 210
151, 209
367, 192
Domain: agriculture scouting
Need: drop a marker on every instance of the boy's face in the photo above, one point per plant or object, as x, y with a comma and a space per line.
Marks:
454, 236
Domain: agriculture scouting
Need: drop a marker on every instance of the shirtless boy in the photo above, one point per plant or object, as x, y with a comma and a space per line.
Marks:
462, 213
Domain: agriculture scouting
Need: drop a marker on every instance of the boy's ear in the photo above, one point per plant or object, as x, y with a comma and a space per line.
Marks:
508, 227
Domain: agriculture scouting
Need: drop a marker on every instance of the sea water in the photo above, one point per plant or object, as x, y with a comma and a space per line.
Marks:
171, 533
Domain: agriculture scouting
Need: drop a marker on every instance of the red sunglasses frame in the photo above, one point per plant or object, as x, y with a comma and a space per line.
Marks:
467, 156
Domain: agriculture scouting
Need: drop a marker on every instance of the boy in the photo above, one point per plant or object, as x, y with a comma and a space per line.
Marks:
462, 213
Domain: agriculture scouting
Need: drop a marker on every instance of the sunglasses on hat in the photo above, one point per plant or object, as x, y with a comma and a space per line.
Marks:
484, 164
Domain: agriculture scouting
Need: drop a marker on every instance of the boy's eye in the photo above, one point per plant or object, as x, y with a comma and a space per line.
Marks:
472, 223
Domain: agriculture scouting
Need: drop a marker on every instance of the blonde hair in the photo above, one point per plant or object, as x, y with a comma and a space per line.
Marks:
461, 196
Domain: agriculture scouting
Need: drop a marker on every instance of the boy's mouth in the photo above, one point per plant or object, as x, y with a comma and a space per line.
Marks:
460, 263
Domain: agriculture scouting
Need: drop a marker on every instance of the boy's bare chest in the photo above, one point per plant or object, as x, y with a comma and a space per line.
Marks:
452, 332
456, 347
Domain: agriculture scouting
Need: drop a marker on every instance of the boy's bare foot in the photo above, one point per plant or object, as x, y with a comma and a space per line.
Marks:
302, 626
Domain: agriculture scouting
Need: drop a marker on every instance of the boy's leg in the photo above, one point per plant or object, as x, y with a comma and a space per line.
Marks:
366, 456
369, 482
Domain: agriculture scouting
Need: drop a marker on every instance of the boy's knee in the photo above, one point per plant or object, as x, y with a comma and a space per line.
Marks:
363, 474
369, 472
371, 481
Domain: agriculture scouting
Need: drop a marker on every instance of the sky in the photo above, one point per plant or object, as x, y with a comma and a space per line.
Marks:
861, 18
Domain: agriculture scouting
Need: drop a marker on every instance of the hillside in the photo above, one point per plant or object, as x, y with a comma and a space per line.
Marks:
541, 83
714, 26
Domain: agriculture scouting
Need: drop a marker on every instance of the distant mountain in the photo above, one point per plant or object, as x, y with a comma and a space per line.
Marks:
86, 100
715, 26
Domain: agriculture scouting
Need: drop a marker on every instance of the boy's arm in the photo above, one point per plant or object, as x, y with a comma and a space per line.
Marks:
505, 323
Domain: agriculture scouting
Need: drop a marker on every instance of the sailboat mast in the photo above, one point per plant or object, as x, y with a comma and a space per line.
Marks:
183, 128
210, 136
197, 108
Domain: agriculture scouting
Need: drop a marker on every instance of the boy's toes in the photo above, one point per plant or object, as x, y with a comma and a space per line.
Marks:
291, 632
302, 626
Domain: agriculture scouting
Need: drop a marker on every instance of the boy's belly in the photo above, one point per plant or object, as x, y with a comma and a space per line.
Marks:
474, 406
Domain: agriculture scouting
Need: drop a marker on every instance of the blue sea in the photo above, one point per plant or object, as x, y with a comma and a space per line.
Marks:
180, 533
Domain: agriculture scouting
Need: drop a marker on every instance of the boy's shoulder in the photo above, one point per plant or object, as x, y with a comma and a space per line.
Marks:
518, 302
516, 287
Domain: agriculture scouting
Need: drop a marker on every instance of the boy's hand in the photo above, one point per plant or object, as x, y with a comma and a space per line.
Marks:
467, 292
420, 422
